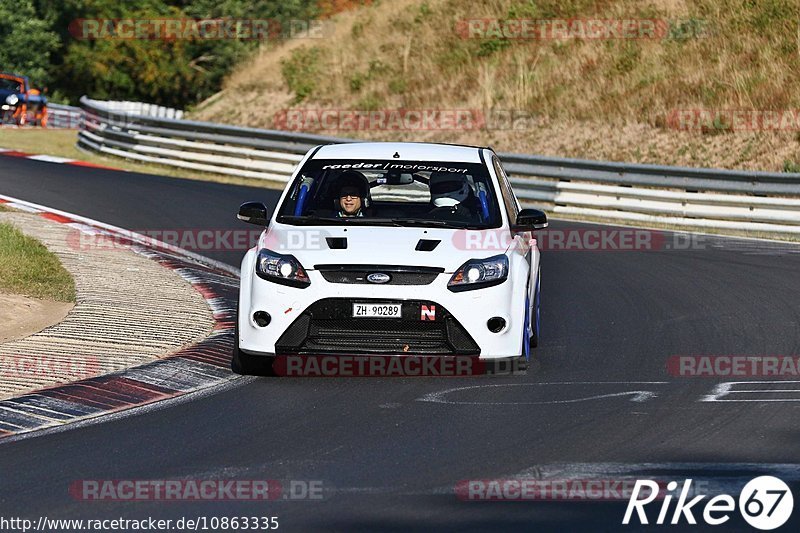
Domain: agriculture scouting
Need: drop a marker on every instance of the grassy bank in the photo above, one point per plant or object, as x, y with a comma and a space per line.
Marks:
30, 269
579, 97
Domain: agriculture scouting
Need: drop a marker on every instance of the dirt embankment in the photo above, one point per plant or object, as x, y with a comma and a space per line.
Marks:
713, 85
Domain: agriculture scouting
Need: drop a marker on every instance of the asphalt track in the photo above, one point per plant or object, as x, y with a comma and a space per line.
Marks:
389, 451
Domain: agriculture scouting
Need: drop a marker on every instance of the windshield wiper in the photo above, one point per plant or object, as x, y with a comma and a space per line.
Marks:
306, 219
313, 219
372, 221
435, 223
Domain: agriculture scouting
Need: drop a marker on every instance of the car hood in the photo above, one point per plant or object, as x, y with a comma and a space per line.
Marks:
428, 247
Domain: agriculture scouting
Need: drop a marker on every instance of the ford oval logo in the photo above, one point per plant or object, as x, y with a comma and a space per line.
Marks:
378, 277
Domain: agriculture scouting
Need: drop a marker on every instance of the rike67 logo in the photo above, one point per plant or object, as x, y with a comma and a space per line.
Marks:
765, 503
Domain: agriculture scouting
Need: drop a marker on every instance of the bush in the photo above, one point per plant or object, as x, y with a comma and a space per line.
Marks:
300, 72
791, 166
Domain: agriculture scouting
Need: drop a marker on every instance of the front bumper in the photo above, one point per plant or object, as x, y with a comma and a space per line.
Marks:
318, 319
328, 327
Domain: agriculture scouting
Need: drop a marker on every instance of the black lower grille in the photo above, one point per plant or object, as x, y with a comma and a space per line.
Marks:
328, 327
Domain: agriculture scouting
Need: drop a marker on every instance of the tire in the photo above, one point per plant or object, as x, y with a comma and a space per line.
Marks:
242, 363
535, 315
245, 364
526, 339
521, 363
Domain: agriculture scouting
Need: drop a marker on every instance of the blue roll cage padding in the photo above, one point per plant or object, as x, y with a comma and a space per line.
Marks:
484, 205
301, 200
305, 187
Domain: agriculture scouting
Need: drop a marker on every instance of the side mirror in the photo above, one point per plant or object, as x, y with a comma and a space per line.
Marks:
253, 213
530, 220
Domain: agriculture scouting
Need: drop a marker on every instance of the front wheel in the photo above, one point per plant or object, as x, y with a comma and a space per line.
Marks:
535, 313
250, 365
521, 363
246, 364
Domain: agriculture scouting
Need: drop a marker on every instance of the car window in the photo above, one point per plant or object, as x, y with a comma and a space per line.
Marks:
419, 193
7, 84
510, 201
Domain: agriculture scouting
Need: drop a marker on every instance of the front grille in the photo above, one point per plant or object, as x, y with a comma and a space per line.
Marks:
396, 278
328, 327
357, 274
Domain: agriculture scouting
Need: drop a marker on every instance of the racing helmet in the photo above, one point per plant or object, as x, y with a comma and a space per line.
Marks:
353, 178
448, 189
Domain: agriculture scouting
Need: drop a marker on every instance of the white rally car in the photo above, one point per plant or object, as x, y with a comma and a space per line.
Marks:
391, 249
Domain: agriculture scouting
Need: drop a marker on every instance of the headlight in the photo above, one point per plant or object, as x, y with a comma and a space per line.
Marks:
12, 99
478, 273
283, 269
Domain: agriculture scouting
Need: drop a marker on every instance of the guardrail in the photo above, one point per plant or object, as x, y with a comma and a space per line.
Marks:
143, 109
690, 197
63, 116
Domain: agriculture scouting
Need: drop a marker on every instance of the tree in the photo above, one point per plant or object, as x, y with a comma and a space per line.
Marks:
38, 38
26, 42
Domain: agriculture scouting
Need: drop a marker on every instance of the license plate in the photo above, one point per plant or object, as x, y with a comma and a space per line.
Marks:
377, 311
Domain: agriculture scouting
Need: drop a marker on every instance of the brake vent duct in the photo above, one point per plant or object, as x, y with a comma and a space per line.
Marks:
427, 245
336, 243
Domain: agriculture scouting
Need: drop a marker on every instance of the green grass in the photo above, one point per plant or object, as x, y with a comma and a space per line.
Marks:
30, 269
791, 166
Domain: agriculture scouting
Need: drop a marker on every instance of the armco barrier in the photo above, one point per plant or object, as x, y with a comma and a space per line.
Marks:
690, 197
63, 116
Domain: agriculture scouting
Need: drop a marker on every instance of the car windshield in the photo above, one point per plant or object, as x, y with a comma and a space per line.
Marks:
8, 84
396, 193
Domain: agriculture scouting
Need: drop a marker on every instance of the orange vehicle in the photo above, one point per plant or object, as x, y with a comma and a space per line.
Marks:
20, 103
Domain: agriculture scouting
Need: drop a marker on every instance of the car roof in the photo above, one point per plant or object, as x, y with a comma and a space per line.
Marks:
9, 75
407, 151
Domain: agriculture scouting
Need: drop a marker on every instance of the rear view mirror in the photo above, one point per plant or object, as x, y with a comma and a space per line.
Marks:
399, 179
530, 220
253, 213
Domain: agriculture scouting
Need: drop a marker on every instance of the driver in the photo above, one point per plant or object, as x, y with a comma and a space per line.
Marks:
450, 192
352, 194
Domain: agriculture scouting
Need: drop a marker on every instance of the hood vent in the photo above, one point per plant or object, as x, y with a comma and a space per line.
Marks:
337, 243
427, 245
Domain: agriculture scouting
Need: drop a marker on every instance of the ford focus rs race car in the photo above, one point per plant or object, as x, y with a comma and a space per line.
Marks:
391, 249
